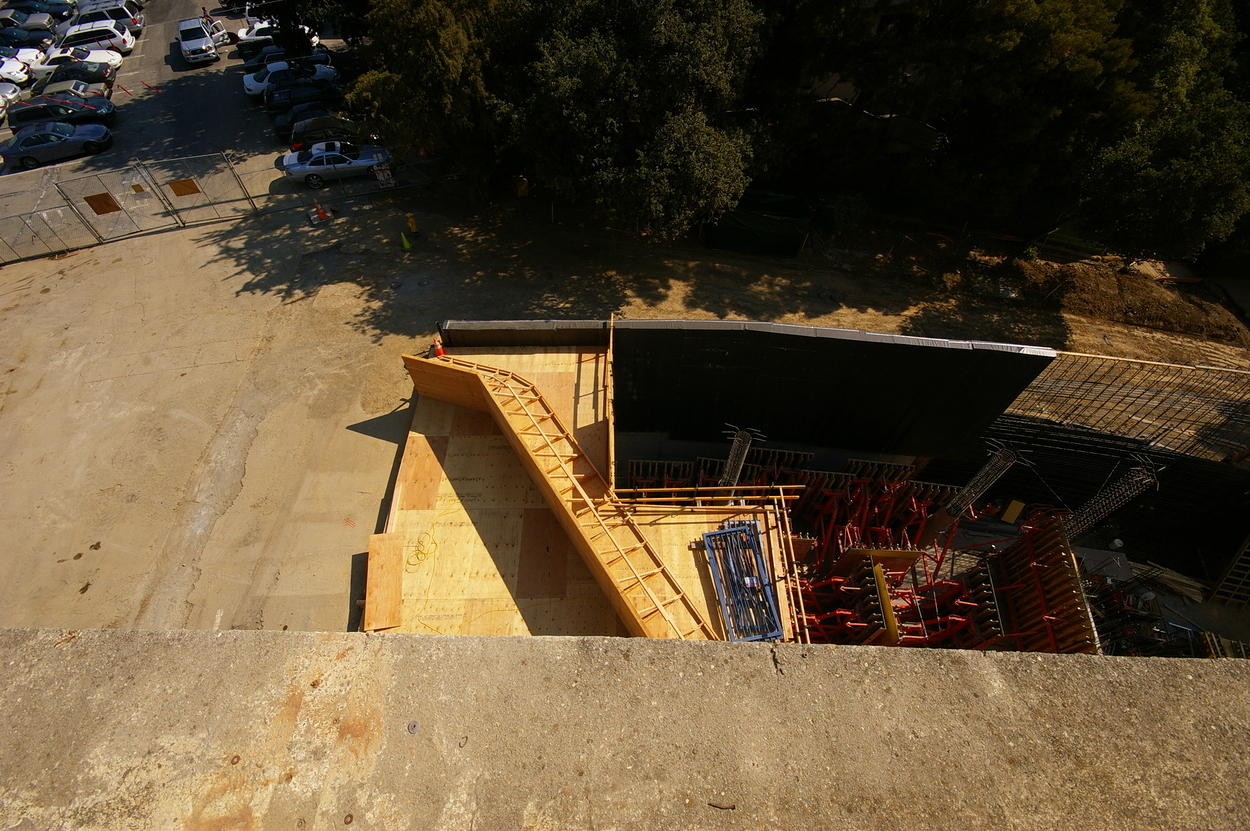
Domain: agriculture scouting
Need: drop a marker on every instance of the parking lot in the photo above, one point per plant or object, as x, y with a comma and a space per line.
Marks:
168, 109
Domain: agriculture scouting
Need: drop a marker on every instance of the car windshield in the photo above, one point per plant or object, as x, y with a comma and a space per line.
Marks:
20, 17
192, 33
61, 129
80, 54
263, 75
304, 157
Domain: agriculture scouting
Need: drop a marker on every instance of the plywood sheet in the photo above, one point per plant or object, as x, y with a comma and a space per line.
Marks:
384, 583
481, 552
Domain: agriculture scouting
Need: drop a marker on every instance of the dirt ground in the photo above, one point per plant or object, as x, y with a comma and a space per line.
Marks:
890, 282
197, 428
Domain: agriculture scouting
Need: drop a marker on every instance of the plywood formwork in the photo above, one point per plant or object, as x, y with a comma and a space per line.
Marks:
635, 579
481, 551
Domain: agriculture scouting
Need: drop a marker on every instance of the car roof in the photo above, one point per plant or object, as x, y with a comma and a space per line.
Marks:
38, 126
95, 24
42, 99
97, 5
322, 121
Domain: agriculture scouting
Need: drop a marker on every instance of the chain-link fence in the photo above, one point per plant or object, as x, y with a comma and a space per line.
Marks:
38, 233
118, 203
49, 215
201, 188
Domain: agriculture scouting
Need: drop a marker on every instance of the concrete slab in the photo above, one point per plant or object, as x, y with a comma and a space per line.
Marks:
200, 730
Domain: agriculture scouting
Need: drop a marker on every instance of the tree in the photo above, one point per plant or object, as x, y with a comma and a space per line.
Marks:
617, 106
622, 107
425, 84
1179, 179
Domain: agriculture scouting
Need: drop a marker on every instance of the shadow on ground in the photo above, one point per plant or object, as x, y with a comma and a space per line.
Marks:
510, 262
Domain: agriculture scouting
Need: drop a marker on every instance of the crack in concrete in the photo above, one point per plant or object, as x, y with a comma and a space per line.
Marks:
772, 651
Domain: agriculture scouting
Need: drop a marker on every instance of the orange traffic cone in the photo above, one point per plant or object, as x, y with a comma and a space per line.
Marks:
322, 214
436, 347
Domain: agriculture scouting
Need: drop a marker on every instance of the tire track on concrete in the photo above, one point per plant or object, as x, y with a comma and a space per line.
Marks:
212, 488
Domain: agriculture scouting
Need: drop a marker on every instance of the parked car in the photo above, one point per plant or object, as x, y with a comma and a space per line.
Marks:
57, 9
258, 32
286, 72
284, 122
14, 71
74, 54
99, 35
82, 89
26, 55
35, 39
36, 144
283, 98
199, 40
9, 92
64, 108
331, 160
269, 54
89, 71
305, 134
17, 19
122, 12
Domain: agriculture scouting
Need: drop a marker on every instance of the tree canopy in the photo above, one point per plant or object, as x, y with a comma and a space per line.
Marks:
1128, 118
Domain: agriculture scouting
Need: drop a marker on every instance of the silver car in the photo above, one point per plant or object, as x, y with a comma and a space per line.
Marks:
52, 140
331, 160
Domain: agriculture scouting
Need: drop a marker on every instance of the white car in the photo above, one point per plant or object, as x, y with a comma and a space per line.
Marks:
199, 40
258, 82
74, 54
260, 32
99, 36
14, 71
24, 54
9, 93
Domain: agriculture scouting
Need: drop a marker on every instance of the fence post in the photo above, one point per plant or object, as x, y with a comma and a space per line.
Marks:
156, 188
69, 203
239, 180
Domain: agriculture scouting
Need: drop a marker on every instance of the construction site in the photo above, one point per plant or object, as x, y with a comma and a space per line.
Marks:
276, 560
761, 482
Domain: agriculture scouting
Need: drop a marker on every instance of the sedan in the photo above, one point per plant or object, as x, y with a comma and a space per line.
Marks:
55, 8
89, 71
9, 93
257, 33
306, 133
14, 19
80, 89
75, 54
269, 54
331, 160
35, 144
279, 99
280, 72
284, 122
38, 39
14, 71
65, 108
26, 55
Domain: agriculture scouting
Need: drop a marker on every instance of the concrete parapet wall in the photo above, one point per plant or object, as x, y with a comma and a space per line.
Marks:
255, 729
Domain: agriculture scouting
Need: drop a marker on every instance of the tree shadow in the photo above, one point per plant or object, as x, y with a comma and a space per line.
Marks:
511, 262
201, 110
